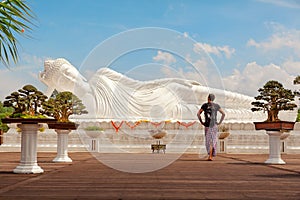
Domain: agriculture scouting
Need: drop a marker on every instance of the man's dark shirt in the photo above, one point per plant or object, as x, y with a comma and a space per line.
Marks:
210, 113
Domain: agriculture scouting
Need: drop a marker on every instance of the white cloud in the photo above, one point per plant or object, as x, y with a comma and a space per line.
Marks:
165, 57
254, 76
185, 34
32, 59
292, 67
217, 50
16, 77
283, 3
281, 38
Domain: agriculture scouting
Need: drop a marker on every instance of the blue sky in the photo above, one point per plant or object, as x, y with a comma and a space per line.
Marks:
250, 41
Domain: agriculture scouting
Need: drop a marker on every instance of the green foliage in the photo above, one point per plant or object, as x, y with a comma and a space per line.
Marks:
273, 98
15, 18
93, 128
297, 93
62, 105
297, 80
4, 112
26, 102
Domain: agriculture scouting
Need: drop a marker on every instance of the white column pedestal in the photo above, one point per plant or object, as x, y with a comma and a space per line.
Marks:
62, 146
222, 146
274, 148
94, 145
28, 163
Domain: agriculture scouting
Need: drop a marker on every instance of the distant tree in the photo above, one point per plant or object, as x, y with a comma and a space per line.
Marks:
27, 101
15, 18
62, 105
273, 98
297, 80
297, 93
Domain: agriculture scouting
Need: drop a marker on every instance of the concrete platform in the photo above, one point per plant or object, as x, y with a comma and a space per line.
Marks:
229, 176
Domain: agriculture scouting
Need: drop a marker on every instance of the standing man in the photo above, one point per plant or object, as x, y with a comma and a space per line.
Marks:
211, 125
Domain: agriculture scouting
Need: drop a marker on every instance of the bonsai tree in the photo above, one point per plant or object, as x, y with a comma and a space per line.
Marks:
15, 18
26, 102
62, 105
273, 98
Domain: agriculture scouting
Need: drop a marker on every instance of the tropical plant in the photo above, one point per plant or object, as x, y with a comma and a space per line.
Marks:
26, 102
62, 105
15, 18
273, 98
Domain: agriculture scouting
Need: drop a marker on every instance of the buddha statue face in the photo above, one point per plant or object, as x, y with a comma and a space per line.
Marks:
59, 74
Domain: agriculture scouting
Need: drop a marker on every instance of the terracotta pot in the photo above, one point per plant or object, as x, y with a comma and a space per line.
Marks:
63, 125
274, 126
27, 120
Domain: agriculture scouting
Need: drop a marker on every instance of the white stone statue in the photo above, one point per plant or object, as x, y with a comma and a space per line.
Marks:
111, 95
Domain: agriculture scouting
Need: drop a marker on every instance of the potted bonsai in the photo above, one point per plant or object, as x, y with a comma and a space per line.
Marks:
61, 106
274, 98
27, 105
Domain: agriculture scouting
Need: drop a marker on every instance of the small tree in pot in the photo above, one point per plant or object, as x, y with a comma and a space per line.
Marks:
62, 105
273, 98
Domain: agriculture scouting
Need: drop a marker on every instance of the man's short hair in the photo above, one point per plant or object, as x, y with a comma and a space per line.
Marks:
211, 97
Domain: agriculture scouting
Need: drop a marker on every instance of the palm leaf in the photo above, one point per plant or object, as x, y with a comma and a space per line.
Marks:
15, 17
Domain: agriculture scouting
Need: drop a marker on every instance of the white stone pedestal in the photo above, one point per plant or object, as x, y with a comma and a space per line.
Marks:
274, 148
222, 146
62, 146
28, 163
94, 145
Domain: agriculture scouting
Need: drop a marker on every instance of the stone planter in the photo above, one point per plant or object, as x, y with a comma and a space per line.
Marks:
223, 135
276, 131
93, 140
29, 127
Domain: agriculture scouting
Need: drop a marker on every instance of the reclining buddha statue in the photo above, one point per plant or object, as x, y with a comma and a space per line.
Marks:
111, 95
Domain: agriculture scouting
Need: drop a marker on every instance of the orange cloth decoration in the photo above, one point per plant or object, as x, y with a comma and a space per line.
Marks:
186, 125
134, 125
156, 124
115, 126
